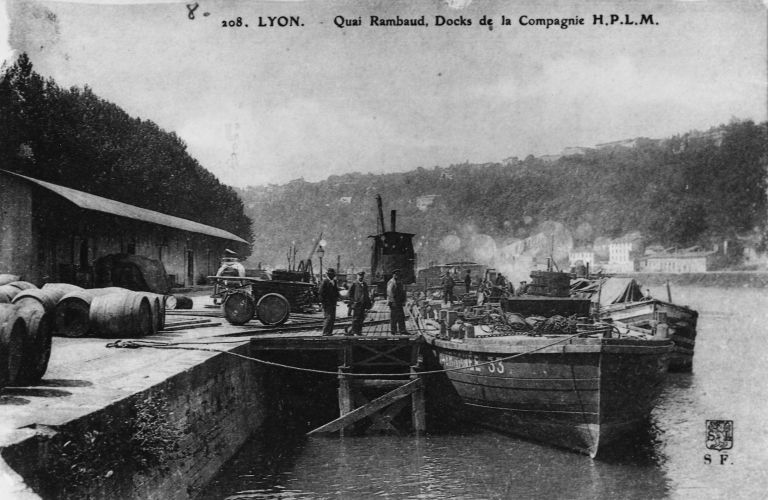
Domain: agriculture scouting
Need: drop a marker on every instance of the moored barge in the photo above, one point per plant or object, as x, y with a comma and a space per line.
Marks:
633, 309
579, 393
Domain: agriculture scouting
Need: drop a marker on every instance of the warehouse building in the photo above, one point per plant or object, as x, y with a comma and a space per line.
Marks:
51, 233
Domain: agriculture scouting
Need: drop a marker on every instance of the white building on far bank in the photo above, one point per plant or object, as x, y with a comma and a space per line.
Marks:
623, 254
586, 257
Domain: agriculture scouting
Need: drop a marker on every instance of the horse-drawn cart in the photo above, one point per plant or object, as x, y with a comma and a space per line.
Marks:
269, 301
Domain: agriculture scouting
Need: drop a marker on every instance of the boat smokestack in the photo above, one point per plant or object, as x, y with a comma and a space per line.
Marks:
393, 219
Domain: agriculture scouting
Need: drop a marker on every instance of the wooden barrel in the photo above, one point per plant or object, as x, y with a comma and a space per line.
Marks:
160, 305
13, 330
170, 302
37, 343
47, 297
273, 309
22, 285
239, 308
8, 278
58, 290
156, 312
72, 316
182, 302
7, 293
162, 311
120, 315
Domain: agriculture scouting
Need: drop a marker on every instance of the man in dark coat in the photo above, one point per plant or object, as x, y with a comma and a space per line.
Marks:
467, 280
360, 302
329, 295
447, 283
396, 301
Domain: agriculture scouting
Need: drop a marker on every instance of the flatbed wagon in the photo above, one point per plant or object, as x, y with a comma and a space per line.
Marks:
269, 301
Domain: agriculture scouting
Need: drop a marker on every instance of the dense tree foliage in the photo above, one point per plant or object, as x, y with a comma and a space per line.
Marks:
700, 188
74, 138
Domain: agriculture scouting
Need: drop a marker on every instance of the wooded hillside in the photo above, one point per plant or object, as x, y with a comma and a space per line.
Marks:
698, 188
74, 138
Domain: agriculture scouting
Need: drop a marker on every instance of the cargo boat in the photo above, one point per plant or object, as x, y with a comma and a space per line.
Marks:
579, 393
632, 309
653, 313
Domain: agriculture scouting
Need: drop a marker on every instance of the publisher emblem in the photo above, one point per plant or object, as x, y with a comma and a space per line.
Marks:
719, 434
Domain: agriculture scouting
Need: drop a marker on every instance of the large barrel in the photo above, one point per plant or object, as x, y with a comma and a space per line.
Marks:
170, 302
22, 285
8, 278
179, 302
72, 317
161, 326
58, 290
7, 293
121, 315
48, 298
37, 343
157, 310
13, 330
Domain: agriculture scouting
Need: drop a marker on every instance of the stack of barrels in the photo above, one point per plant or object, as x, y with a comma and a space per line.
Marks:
30, 316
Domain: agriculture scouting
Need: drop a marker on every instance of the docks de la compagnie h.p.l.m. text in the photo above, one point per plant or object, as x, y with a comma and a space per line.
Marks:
441, 21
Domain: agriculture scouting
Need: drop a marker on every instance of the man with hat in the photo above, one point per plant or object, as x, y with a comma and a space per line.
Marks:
329, 295
396, 301
360, 302
447, 284
230, 265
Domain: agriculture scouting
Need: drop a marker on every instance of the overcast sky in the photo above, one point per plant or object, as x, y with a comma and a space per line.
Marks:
260, 105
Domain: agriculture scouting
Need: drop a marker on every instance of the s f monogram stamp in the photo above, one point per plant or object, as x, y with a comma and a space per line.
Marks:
719, 437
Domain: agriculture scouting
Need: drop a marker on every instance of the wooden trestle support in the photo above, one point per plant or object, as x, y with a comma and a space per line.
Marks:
396, 364
393, 366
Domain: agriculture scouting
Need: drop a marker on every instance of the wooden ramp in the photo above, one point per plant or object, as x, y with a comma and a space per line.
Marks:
378, 378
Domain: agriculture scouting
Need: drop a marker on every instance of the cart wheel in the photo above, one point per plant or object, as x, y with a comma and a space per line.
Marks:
273, 309
239, 308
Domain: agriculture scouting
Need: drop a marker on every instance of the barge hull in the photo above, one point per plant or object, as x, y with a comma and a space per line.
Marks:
580, 397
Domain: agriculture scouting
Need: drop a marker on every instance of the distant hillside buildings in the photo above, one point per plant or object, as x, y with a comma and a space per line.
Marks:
424, 202
680, 143
678, 262
627, 255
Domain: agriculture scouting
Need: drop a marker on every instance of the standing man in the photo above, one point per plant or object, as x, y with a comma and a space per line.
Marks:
360, 302
396, 301
329, 295
448, 284
467, 281
501, 281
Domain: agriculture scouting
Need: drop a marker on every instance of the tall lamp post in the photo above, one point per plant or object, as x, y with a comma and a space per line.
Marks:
320, 253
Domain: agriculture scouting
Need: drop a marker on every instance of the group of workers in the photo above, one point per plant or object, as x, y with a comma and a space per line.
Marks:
501, 284
360, 302
448, 283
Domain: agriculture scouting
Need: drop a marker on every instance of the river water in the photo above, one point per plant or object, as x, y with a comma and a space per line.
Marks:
670, 460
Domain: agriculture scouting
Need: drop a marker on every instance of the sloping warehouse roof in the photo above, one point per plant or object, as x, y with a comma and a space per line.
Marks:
99, 204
